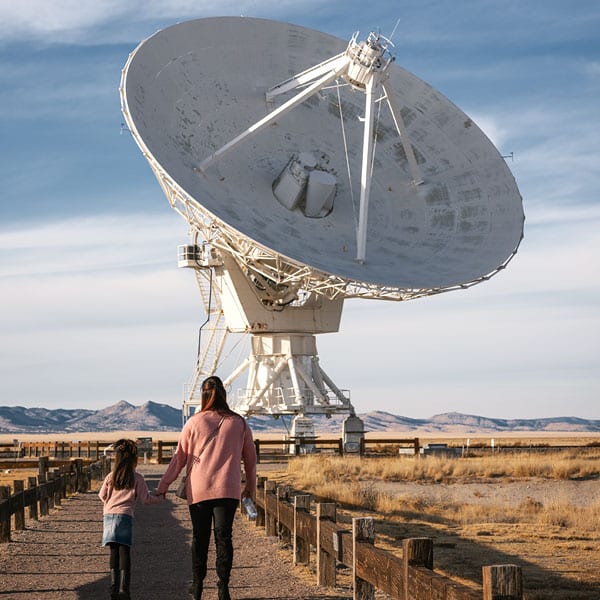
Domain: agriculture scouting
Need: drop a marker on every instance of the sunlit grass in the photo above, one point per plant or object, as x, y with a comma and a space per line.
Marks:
564, 465
352, 482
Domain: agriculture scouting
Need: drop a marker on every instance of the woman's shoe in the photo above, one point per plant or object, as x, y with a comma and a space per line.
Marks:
223, 588
195, 590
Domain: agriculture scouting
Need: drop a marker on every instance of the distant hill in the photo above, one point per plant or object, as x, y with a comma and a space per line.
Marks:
122, 416
152, 416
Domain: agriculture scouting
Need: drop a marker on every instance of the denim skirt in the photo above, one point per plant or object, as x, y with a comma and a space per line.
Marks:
117, 529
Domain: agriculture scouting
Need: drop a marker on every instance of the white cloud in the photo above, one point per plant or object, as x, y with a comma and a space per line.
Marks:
95, 310
492, 128
99, 21
51, 20
88, 244
98, 311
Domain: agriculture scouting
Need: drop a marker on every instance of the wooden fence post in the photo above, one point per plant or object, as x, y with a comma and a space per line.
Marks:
33, 507
301, 546
417, 552
106, 466
326, 511
69, 478
5, 521
77, 467
270, 516
260, 511
18, 491
363, 530
85, 481
283, 495
44, 503
42, 469
64, 476
58, 482
51, 486
257, 449
502, 582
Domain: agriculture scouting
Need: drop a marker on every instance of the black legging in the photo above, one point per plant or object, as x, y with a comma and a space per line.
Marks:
120, 557
222, 512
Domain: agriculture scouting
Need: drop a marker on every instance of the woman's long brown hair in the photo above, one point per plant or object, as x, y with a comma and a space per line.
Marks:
214, 396
123, 475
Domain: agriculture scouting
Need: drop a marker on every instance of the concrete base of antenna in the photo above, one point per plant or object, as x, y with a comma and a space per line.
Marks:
303, 427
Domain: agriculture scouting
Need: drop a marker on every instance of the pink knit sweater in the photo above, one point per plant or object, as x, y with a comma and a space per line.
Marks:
216, 474
123, 501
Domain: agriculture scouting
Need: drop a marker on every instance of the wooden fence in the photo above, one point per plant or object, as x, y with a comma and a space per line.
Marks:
45, 491
286, 514
161, 451
64, 450
295, 446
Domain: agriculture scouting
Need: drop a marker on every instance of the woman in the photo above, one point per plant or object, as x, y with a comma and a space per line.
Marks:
212, 445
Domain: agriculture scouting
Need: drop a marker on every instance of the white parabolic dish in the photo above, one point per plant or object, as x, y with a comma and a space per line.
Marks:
190, 88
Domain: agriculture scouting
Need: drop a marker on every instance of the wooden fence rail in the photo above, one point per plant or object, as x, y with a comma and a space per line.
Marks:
411, 577
45, 491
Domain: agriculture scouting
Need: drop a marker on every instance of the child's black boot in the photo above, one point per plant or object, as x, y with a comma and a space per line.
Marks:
114, 584
124, 585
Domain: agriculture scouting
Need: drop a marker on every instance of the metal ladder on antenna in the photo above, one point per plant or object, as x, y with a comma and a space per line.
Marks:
213, 336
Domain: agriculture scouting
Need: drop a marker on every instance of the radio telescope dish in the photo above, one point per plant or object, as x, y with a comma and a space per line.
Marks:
311, 169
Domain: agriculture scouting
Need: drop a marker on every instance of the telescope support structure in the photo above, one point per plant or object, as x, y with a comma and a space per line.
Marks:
284, 375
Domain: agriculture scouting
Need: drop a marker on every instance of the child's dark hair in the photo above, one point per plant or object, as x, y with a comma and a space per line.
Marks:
123, 474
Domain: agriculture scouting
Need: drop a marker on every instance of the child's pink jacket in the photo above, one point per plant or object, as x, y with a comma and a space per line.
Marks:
122, 502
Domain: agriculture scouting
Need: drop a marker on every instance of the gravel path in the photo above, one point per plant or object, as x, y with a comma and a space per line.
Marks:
581, 494
60, 557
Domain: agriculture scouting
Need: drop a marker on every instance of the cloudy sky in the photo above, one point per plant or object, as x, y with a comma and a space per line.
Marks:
94, 309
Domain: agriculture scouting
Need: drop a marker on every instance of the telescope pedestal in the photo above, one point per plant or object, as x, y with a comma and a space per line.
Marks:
285, 377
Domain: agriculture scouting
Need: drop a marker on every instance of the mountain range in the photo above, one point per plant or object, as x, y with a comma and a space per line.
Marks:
152, 416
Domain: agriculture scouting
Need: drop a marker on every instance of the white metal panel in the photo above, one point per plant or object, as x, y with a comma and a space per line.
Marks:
191, 88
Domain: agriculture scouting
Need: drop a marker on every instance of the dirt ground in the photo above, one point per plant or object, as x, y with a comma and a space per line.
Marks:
60, 557
558, 562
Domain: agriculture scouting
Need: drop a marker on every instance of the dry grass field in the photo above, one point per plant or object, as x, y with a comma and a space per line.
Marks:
539, 511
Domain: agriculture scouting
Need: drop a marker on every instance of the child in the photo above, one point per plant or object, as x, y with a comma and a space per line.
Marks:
120, 490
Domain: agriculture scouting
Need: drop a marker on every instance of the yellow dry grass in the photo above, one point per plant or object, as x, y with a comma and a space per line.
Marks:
8, 476
556, 541
331, 470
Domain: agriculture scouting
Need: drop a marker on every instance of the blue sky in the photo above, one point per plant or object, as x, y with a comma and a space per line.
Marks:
94, 309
